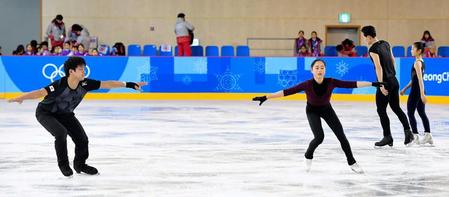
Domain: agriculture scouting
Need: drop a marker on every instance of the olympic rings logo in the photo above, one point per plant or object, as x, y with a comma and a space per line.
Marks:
58, 71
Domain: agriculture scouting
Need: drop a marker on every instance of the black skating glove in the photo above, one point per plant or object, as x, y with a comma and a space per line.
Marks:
261, 99
132, 85
379, 84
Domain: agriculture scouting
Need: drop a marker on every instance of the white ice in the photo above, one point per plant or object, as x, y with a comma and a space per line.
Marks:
220, 148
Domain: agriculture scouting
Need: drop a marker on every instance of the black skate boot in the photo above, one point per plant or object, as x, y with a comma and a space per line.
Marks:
408, 137
86, 169
387, 140
65, 169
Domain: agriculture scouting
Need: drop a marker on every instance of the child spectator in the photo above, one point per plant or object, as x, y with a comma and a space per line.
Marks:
66, 50
44, 49
33, 44
315, 45
95, 52
339, 50
118, 49
303, 52
348, 48
74, 51
81, 50
20, 50
57, 50
299, 42
29, 50
429, 42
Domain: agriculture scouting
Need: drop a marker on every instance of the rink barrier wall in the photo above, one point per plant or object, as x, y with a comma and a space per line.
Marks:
213, 78
231, 96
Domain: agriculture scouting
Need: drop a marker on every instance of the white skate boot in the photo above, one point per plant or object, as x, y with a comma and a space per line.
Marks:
416, 139
427, 139
308, 165
356, 168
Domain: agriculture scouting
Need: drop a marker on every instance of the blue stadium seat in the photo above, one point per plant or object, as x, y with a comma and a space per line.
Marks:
176, 51
330, 51
149, 50
227, 50
398, 51
362, 51
212, 51
409, 51
167, 51
134, 50
443, 51
242, 51
197, 51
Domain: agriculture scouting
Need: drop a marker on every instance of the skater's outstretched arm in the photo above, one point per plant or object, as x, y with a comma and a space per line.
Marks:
361, 84
356, 84
293, 90
262, 99
30, 95
120, 84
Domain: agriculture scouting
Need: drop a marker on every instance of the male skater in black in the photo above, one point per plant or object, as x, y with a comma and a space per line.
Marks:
55, 112
382, 57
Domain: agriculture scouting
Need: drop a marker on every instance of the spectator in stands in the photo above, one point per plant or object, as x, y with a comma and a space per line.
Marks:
44, 49
29, 50
56, 32
303, 52
81, 50
348, 48
427, 39
73, 51
118, 49
33, 44
183, 38
315, 45
0, 50
339, 50
57, 51
66, 50
77, 35
20, 50
93, 52
299, 42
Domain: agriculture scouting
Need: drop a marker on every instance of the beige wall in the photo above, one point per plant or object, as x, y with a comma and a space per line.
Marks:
232, 21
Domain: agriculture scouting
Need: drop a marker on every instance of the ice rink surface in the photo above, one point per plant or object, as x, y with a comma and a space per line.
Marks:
220, 148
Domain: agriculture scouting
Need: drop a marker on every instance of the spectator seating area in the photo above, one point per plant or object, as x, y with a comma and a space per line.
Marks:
228, 50
153, 50
398, 51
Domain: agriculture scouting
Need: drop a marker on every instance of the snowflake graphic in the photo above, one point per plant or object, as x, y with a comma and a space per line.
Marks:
259, 65
228, 82
200, 65
186, 80
287, 78
342, 68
